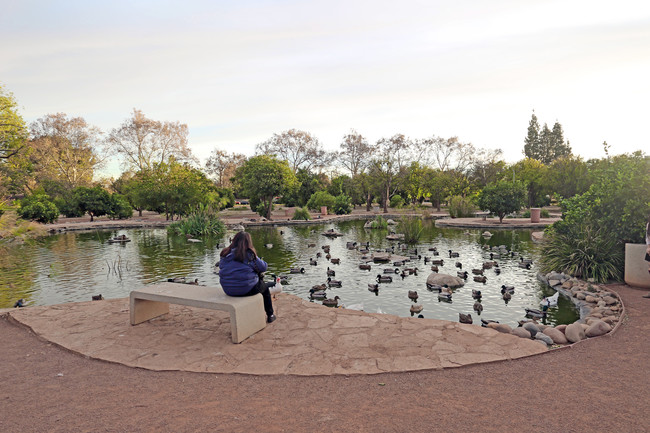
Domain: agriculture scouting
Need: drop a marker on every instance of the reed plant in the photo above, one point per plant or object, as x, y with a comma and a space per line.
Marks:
203, 221
379, 223
302, 214
411, 227
461, 207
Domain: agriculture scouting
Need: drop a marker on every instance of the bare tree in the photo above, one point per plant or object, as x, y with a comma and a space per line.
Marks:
393, 155
221, 166
299, 148
355, 153
445, 154
144, 142
65, 150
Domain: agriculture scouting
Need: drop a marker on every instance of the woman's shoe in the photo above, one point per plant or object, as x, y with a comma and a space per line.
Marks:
271, 318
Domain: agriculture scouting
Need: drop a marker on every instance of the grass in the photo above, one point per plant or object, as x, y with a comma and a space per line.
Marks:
204, 221
12, 227
411, 227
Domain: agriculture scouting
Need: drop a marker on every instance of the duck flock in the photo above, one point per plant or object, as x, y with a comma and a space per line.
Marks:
401, 261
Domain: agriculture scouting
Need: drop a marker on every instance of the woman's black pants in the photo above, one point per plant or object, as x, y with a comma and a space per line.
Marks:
266, 296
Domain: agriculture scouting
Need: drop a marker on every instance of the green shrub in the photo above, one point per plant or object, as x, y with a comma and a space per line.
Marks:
68, 207
396, 201
379, 223
543, 213
502, 197
120, 207
302, 214
342, 205
319, 199
461, 207
411, 227
584, 251
38, 207
261, 209
203, 221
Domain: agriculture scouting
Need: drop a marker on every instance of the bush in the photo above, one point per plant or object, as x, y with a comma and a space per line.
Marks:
379, 223
411, 227
342, 205
302, 214
396, 201
319, 199
502, 198
261, 209
203, 221
583, 251
120, 207
68, 207
226, 198
38, 207
461, 207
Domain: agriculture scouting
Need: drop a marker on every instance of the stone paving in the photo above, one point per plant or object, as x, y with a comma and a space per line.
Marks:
306, 339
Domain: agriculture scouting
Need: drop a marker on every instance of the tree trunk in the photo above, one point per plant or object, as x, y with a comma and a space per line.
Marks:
368, 202
139, 211
386, 198
91, 216
269, 207
438, 204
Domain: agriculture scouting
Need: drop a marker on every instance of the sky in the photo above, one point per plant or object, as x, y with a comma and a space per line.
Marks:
236, 72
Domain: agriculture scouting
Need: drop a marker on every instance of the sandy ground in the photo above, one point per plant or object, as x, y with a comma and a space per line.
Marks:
599, 385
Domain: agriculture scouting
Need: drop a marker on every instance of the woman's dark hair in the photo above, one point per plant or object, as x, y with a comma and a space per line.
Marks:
242, 244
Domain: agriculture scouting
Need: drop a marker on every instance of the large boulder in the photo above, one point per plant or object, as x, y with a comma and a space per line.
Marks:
381, 257
543, 337
501, 327
445, 279
521, 332
532, 328
556, 335
574, 332
598, 328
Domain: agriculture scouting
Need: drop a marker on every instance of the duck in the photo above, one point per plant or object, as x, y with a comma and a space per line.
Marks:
412, 271
401, 263
488, 265
311, 245
524, 265
384, 278
413, 295
444, 293
433, 249
334, 283
434, 268
438, 262
507, 296
478, 307
328, 256
330, 272
477, 271
21, 303
427, 260
331, 302
269, 246
486, 322
497, 270
318, 287
462, 274
391, 271
480, 278
325, 247
550, 301
465, 318
97, 297
459, 265
318, 255
534, 313
433, 287
276, 288
313, 262
510, 289
435, 253
297, 270
416, 309
365, 266
453, 254
404, 274
522, 260
374, 288
476, 294
335, 261
317, 294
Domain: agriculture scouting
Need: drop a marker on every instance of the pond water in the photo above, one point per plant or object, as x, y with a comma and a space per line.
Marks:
73, 266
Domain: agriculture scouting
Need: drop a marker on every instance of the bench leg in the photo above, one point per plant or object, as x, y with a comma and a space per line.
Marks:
248, 320
142, 310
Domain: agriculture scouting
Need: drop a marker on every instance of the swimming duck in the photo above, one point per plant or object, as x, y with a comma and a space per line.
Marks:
319, 287
413, 295
427, 260
412, 271
444, 293
325, 247
534, 313
477, 271
478, 307
373, 288
333, 283
331, 302
318, 254
459, 265
311, 245
328, 256
488, 265
433, 249
524, 265
365, 266
462, 274
465, 318
486, 322
480, 278
297, 270
335, 261
317, 294
416, 308
391, 271
313, 262
453, 254
434, 268
505, 289
507, 296
20, 303
439, 262
476, 294
330, 272
384, 278
97, 297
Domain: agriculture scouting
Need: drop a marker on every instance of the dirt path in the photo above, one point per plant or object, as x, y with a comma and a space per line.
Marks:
600, 385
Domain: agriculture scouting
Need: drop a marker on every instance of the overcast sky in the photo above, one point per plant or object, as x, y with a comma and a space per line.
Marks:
236, 72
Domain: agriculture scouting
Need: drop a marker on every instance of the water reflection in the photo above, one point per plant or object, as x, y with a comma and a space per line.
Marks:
73, 266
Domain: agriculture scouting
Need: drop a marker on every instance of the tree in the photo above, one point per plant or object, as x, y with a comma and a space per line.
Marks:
438, 184
532, 173
531, 142
568, 176
487, 167
13, 133
264, 177
222, 165
38, 207
444, 154
299, 148
502, 198
393, 155
143, 142
319, 199
95, 201
545, 145
307, 184
355, 152
64, 151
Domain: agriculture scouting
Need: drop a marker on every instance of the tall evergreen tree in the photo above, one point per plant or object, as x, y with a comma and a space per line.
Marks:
560, 148
531, 142
545, 145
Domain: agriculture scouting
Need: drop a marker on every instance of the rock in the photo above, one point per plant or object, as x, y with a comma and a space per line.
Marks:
567, 285
574, 332
609, 300
521, 332
597, 329
581, 296
609, 319
391, 222
543, 337
561, 328
601, 304
381, 257
501, 327
556, 335
554, 283
532, 328
442, 279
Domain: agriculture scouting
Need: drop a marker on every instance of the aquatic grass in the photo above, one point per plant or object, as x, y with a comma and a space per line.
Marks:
411, 227
203, 221
379, 223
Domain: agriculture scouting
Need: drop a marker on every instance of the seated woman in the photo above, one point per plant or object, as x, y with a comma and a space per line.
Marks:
240, 269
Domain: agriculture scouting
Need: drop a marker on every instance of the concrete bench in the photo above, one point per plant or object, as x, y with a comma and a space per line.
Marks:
483, 215
247, 314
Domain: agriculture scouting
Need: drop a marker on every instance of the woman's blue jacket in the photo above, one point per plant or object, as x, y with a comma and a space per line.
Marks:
237, 278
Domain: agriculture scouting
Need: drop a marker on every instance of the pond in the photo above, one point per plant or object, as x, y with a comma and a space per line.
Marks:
73, 266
